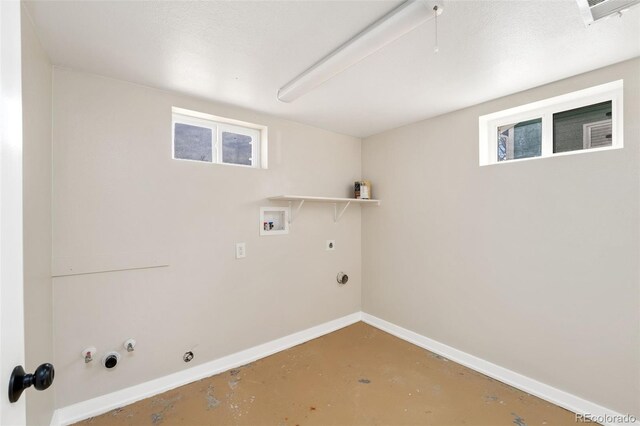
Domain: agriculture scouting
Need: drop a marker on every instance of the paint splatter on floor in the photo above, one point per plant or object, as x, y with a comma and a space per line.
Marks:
517, 420
355, 376
212, 402
490, 398
162, 406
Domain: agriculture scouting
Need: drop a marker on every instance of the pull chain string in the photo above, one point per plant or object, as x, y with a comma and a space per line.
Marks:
435, 12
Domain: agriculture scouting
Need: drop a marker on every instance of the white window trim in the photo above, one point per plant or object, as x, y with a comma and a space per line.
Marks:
255, 152
219, 124
488, 124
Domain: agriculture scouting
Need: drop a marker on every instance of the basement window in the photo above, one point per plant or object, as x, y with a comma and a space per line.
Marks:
211, 139
584, 121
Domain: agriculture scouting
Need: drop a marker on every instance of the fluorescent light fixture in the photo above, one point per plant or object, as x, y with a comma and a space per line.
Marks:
398, 22
594, 10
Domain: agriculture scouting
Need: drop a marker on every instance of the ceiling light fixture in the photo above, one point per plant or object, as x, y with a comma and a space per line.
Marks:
404, 18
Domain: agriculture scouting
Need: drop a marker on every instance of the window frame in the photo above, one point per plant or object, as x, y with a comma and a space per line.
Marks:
518, 121
217, 125
197, 122
239, 130
545, 109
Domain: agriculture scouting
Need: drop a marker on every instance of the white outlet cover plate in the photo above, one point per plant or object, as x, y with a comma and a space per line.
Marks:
241, 250
330, 245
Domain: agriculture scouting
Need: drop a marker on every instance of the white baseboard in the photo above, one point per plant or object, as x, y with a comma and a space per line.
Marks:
102, 404
524, 383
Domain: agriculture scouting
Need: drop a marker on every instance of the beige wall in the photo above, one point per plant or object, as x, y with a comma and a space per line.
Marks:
501, 261
36, 103
532, 265
117, 191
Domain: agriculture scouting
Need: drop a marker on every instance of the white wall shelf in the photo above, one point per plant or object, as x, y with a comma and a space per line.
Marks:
301, 199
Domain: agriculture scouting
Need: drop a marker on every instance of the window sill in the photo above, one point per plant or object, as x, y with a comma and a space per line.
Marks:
559, 154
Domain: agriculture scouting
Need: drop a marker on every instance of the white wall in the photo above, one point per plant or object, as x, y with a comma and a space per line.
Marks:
36, 104
532, 265
117, 191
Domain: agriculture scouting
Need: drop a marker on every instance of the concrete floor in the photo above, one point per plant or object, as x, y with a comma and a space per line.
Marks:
355, 376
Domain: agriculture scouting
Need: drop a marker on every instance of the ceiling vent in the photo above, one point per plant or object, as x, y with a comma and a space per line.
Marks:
594, 10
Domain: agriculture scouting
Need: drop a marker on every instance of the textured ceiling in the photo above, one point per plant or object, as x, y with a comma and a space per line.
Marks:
242, 52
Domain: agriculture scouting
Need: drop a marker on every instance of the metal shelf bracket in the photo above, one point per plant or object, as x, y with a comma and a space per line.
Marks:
336, 215
297, 210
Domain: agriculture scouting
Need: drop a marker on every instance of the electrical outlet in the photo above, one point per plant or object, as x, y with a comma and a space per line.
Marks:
241, 250
331, 245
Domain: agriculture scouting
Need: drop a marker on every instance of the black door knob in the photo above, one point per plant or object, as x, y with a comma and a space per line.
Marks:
19, 381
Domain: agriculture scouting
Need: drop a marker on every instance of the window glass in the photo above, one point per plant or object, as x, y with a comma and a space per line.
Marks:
520, 140
583, 128
236, 148
192, 142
